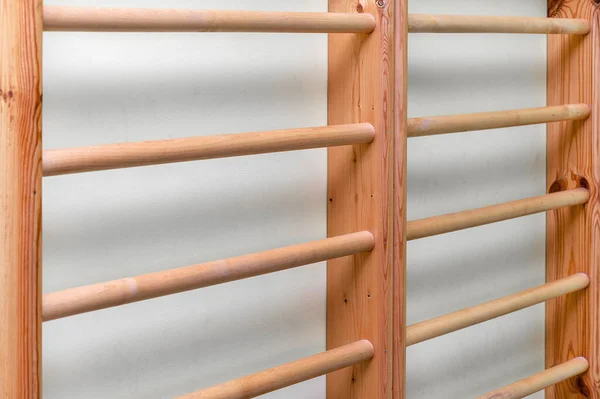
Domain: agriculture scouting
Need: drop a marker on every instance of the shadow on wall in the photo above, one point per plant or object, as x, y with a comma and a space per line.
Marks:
186, 341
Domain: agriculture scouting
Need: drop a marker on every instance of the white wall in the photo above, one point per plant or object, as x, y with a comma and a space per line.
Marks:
104, 88
460, 74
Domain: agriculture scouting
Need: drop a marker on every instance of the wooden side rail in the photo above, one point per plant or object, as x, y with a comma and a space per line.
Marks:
490, 214
572, 234
539, 381
432, 125
96, 19
288, 374
126, 155
494, 24
451, 322
366, 190
133, 289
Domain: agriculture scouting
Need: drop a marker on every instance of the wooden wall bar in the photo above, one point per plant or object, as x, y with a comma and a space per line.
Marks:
366, 190
539, 381
20, 198
450, 222
106, 19
495, 24
287, 374
443, 124
573, 234
441, 325
126, 155
104, 295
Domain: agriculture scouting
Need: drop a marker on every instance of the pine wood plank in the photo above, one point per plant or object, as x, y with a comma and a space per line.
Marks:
573, 234
20, 197
366, 188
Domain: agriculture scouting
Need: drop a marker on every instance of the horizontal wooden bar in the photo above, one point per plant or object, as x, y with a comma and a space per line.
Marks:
288, 374
432, 125
490, 214
451, 322
105, 19
96, 19
146, 286
418, 23
126, 155
539, 381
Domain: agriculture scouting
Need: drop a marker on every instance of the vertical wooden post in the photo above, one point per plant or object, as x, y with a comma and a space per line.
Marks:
573, 234
367, 191
20, 197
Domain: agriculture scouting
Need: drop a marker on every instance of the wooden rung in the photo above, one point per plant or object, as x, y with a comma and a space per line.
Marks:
146, 286
539, 381
432, 125
442, 325
95, 19
490, 214
288, 374
126, 155
418, 23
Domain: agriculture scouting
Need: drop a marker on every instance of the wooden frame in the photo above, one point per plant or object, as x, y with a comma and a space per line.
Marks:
366, 190
573, 236
20, 198
366, 138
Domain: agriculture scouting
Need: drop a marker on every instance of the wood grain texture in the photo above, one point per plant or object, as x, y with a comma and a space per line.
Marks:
573, 234
127, 155
288, 374
397, 237
366, 186
20, 198
105, 19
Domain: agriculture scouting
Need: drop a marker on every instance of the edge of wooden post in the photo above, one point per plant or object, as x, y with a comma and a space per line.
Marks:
20, 198
366, 189
573, 234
